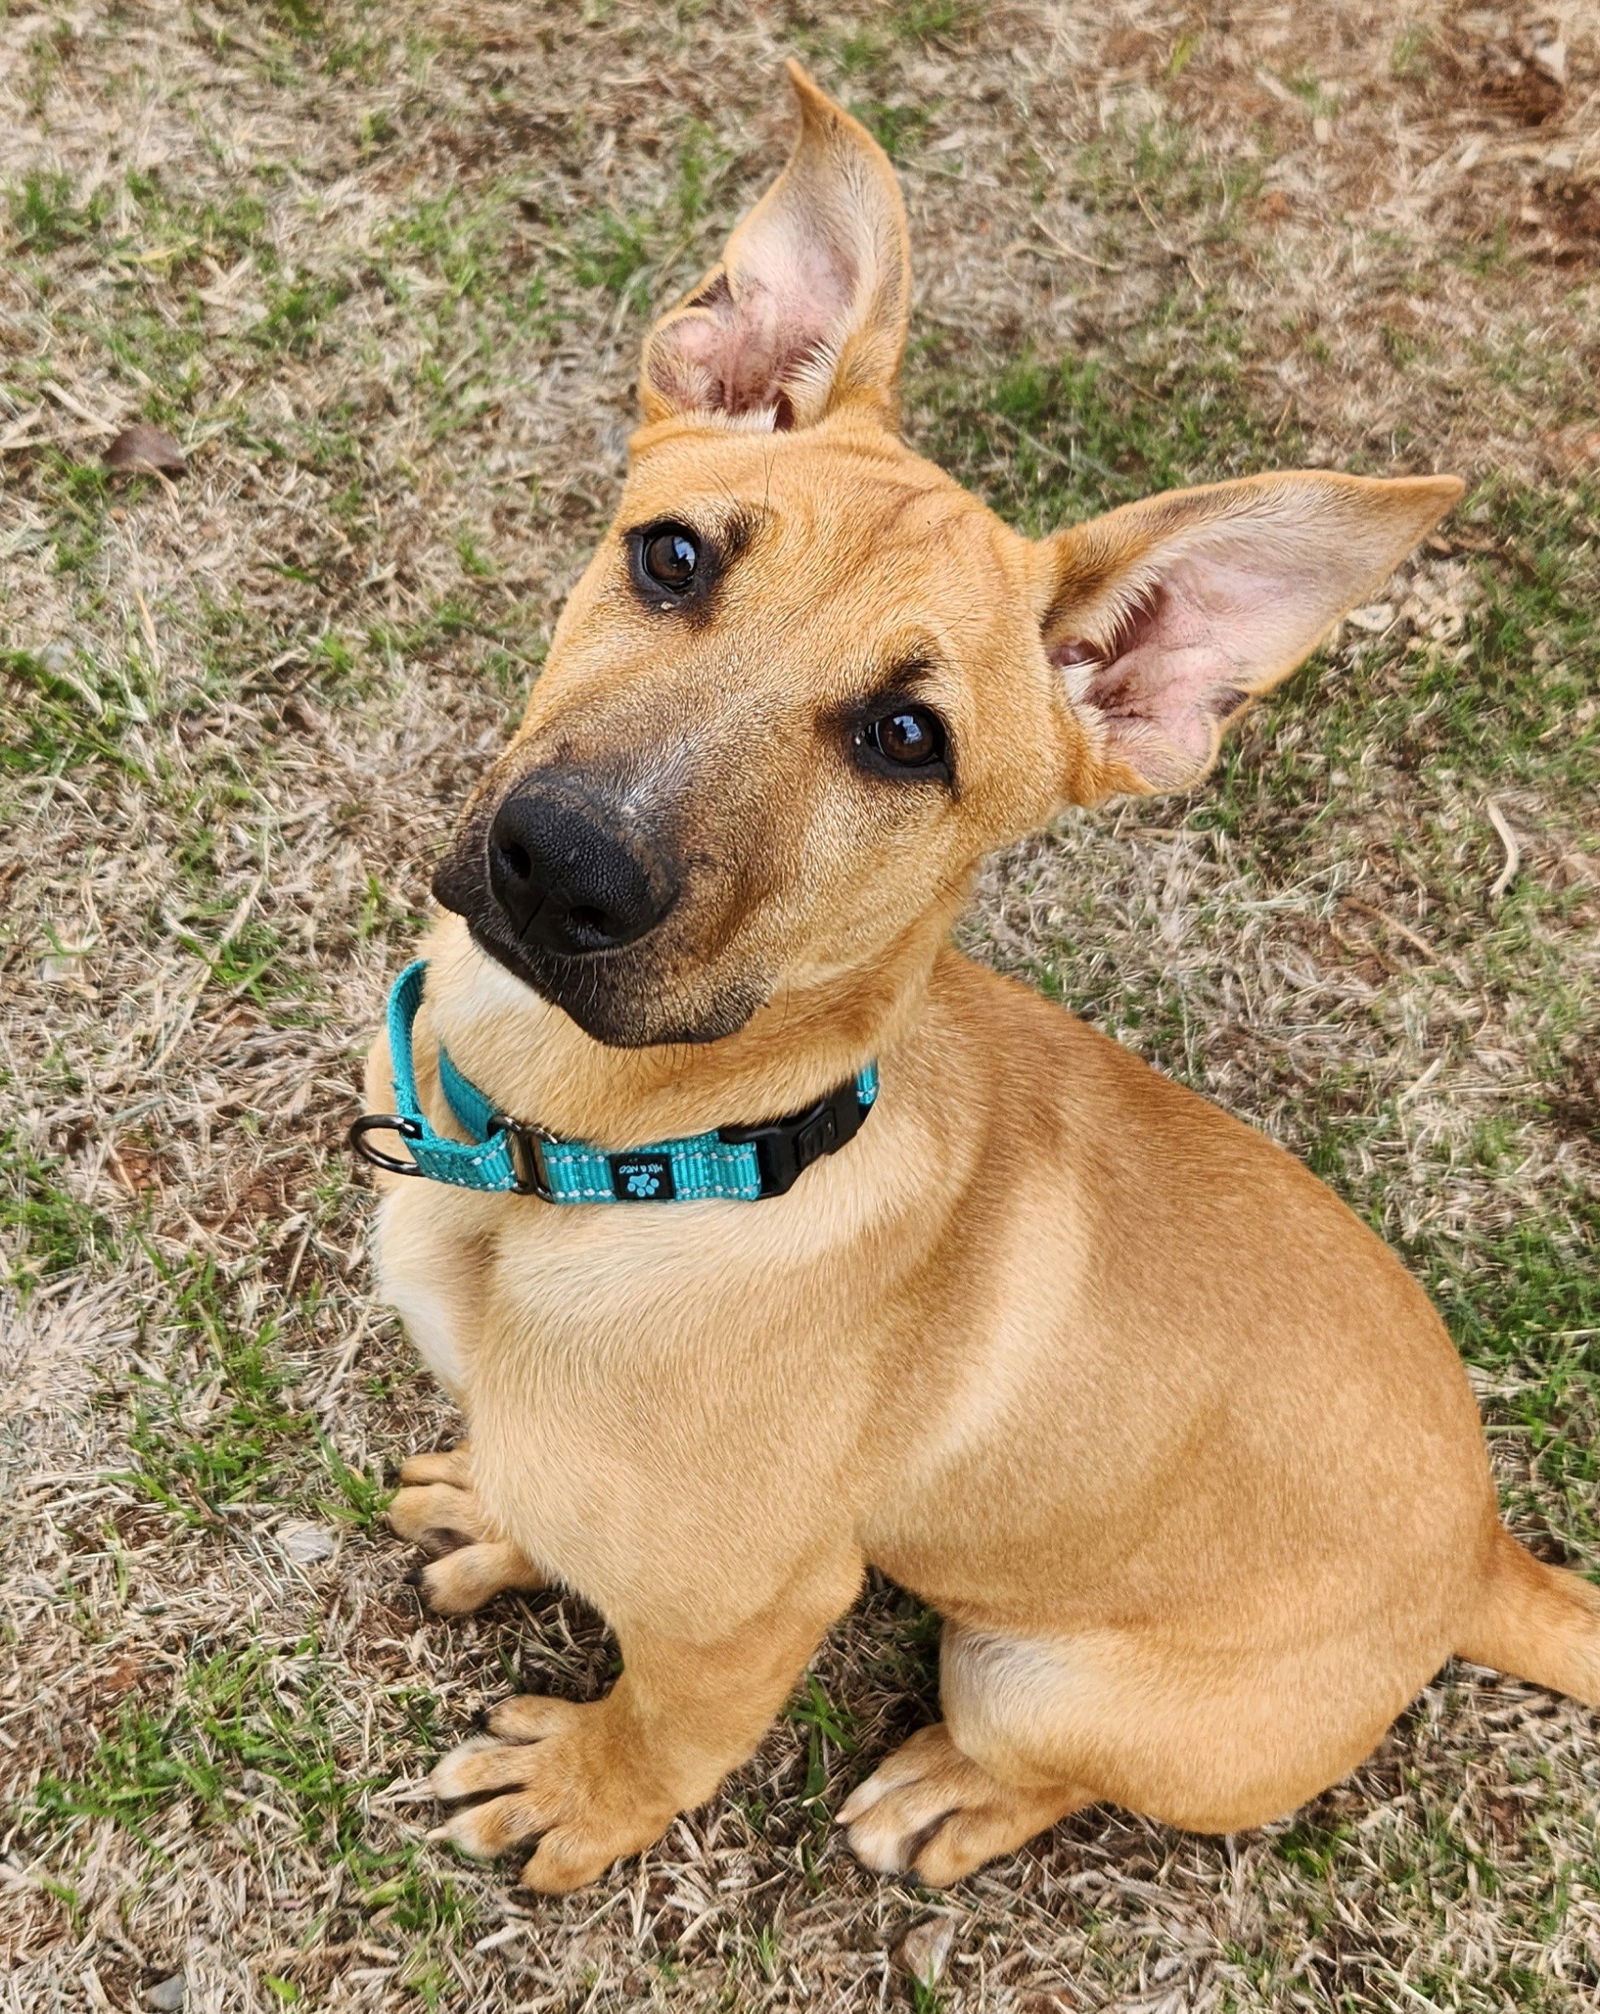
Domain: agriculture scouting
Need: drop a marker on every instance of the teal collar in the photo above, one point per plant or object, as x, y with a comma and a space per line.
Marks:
742, 1163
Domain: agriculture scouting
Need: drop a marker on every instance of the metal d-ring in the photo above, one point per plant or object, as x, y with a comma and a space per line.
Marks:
385, 1122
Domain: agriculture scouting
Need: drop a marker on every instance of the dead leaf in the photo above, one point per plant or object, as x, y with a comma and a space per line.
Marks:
122, 1676
925, 1949
136, 1169
143, 447
1548, 55
307, 1544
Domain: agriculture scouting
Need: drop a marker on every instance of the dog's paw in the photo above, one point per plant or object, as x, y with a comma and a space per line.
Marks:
437, 1508
542, 1773
931, 1811
462, 1581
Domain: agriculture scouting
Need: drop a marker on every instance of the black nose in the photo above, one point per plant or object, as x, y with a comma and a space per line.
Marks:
565, 877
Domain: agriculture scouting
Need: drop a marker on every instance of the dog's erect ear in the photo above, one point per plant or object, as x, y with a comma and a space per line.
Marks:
807, 307
1163, 618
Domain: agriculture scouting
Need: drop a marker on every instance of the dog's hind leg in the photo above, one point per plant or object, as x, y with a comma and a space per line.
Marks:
1198, 1730
934, 1812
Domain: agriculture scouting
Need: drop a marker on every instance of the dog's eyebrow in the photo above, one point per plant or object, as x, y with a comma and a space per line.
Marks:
734, 531
724, 529
902, 677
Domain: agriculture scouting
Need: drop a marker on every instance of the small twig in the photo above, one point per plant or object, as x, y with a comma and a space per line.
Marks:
1171, 250
1072, 252
77, 408
1159, 235
1394, 923
1508, 839
296, 1262
208, 1515
1421, 1083
149, 628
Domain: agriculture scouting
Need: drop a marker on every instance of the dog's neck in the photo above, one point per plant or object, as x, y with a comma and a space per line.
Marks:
537, 1065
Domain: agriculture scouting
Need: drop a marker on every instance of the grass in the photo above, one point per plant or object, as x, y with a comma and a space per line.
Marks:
1051, 439
47, 1230
44, 216
240, 1438
68, 712
386, 286
247, 1731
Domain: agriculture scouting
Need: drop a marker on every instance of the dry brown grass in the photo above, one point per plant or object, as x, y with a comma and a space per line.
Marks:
383, 268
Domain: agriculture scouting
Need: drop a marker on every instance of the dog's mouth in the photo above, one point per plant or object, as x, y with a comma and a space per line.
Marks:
641, 995
611, 996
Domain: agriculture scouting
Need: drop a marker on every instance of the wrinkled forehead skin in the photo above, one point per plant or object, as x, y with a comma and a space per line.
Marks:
846, 560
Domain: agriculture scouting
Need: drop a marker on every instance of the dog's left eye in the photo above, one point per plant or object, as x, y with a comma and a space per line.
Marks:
906, 738
668, 557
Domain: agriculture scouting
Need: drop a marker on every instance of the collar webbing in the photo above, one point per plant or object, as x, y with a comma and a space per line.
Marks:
735, 1162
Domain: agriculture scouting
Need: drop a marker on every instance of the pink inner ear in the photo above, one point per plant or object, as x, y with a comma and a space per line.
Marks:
794, 294
743, 354
1191, 650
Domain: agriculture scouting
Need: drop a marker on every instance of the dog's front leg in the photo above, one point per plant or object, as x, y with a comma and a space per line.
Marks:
596, 1782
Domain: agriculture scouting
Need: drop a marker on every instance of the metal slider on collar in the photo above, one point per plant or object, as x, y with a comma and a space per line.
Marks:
384, 1122
526, 1147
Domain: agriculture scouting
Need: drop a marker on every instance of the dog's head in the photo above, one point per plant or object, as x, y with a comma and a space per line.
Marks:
807, 682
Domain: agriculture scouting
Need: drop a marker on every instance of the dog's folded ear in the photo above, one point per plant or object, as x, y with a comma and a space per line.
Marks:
1165, 617
806, 310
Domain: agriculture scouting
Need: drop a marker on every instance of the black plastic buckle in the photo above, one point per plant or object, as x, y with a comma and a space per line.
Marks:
785, 1148
384, 1122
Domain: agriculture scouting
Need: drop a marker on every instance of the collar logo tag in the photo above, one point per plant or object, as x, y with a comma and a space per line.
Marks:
641, 1178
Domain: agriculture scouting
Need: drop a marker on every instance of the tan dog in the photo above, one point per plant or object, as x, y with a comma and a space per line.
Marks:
1180, 1453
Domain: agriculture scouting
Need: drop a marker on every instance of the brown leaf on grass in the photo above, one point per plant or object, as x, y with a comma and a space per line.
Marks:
924, 1950
141, 448
136, 1169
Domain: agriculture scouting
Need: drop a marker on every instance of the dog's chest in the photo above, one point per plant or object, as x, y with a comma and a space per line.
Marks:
636, 1381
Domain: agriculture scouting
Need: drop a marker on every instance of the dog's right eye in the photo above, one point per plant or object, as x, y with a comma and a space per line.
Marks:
669, 557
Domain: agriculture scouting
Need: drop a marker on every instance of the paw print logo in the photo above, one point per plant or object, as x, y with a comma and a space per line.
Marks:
640, 1178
